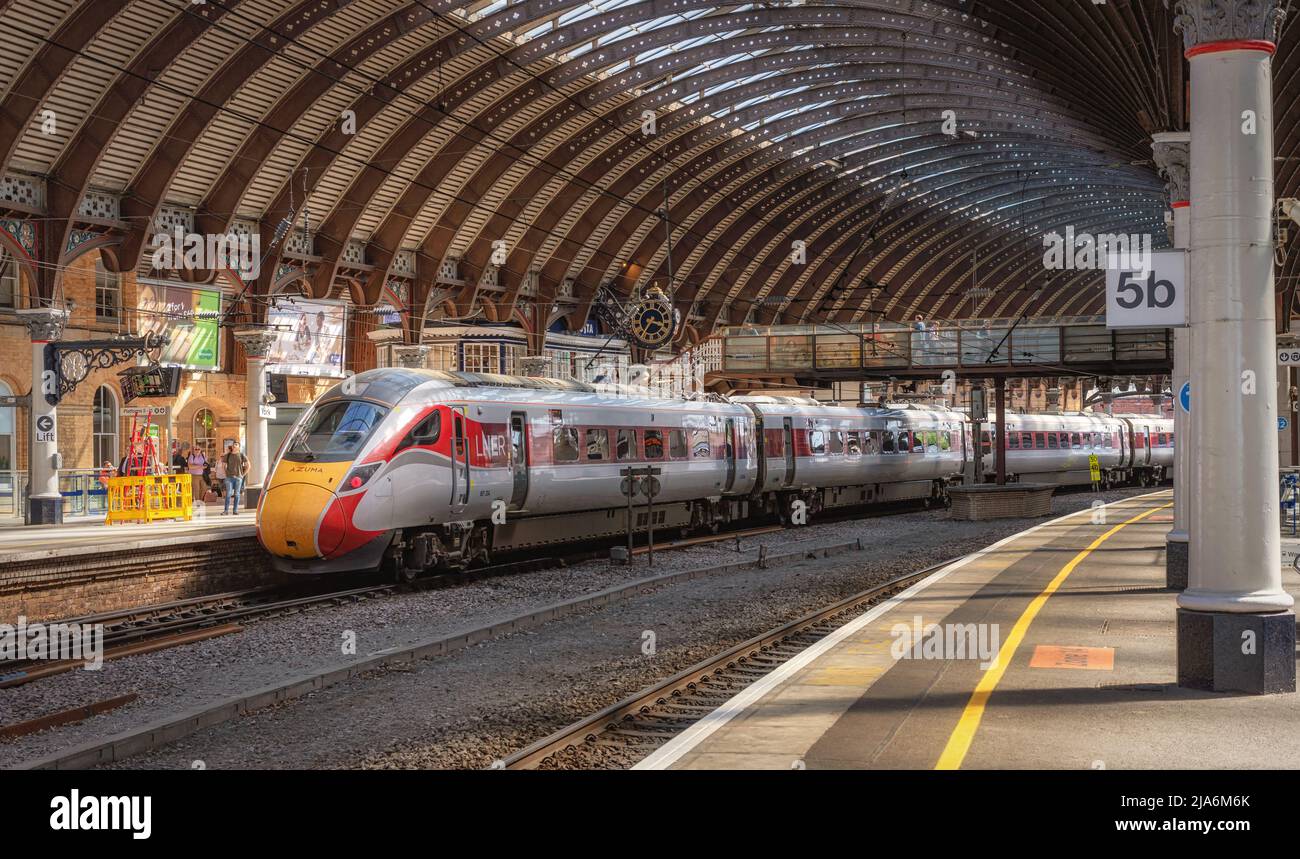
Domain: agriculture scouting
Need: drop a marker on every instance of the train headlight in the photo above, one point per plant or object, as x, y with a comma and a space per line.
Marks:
358, 476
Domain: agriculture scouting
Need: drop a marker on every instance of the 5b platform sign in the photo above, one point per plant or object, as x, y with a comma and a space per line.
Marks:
1154, 296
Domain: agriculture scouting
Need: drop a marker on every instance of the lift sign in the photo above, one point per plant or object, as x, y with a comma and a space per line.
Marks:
1152, 298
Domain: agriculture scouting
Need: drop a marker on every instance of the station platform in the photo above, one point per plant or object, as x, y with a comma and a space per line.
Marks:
1085, 676
19, 542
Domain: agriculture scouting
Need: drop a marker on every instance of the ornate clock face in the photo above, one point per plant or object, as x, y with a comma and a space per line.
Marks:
652, 323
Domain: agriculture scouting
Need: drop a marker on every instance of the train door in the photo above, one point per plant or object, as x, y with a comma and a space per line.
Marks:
1146, 445
519, 459
459, 461
787, 430
729, 453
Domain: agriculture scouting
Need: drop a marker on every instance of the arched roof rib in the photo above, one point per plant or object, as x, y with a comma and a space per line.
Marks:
521, 121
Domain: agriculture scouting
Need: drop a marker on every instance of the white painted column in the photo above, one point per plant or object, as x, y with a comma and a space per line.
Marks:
1173, 158
257, 343
44, 502
1236, 630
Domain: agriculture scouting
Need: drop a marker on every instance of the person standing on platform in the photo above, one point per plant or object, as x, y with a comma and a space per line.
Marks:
236, 467
179, 452
196, 463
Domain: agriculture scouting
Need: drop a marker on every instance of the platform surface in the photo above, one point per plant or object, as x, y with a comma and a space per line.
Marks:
1089, 683
20, 542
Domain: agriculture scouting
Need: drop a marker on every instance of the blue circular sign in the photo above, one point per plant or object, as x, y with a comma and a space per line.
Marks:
1185, 397
1282, 423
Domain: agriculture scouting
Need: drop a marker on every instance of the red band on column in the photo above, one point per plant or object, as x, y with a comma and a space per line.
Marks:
1181, 204
1232, 45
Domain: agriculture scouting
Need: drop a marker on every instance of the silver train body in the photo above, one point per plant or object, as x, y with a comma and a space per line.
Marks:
419, 469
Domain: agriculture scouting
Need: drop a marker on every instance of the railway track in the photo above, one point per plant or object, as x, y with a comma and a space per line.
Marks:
626, 732
155, 627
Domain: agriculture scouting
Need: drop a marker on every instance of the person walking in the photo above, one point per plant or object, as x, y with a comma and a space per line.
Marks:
196, 463
236, 467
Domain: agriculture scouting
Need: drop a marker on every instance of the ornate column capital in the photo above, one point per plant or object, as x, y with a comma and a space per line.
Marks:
257, 342
1204, 21
412, 357
44, 324
1173, 156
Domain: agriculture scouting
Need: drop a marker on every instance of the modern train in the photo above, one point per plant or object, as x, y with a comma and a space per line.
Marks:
413, 470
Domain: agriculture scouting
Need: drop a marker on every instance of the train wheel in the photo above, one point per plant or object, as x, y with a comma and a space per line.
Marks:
480, 547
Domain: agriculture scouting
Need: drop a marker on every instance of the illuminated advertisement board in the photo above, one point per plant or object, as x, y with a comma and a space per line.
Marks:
190, 317
309, 338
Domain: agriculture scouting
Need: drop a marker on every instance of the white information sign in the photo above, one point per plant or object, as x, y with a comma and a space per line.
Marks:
45, 428
1150, 297
1288, 356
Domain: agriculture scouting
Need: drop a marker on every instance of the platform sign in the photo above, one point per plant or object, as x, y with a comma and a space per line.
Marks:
1185, 397
1288, 356
1150, 297
265, 411
46, 431
1094, 468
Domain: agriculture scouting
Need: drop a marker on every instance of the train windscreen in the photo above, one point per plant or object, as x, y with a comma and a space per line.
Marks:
335, 431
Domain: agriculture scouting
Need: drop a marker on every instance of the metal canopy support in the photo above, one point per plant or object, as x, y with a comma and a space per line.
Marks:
1236, 626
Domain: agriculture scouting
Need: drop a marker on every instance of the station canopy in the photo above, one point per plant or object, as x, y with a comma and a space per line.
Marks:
817, 161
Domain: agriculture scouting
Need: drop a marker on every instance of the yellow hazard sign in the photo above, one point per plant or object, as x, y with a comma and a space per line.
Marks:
1094, 468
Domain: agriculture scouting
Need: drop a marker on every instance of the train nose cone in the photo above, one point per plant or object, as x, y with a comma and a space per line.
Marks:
300, 520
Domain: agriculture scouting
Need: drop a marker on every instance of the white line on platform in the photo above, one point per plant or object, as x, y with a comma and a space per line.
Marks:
684, 742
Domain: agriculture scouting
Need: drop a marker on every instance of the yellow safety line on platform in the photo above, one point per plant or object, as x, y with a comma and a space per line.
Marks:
962, 736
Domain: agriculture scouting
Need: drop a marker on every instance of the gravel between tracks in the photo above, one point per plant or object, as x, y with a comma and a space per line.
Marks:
479, 704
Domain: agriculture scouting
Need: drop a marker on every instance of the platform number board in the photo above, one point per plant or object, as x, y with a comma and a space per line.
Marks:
1154, 296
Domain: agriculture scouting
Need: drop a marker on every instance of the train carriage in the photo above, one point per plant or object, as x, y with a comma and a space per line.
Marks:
415, 469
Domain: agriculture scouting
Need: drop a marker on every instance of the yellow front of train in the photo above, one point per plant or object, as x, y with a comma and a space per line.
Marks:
307, 515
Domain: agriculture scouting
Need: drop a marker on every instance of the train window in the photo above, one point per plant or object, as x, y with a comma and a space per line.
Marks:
871, 442
931, 441
918, 442
564, 440
699, 444
424, 433
945, 440
852, 446
817, 441
335, 431
1164, 439
775, 440
1051, 441
1013, 441
904, 441
837, 441
887, 441
654, 444
1040, 441
677, 444
597, 444
1076, 440
626, 444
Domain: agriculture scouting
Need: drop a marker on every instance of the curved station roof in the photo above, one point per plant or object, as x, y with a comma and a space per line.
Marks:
919, 150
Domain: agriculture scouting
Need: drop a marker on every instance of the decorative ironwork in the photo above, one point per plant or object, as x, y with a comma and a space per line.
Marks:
649, 321
67, 364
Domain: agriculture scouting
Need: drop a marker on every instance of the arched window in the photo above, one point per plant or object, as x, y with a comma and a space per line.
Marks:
205, 432
105, 423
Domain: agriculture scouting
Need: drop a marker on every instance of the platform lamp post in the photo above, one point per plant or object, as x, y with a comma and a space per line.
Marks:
1236, 626
44, 501
257, 343
1172, 151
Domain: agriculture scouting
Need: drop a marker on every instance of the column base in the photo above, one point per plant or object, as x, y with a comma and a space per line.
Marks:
44, 511
1176, 554
252, 494
1227, 652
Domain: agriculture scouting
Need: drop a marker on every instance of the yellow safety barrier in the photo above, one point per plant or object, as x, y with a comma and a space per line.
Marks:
149, 497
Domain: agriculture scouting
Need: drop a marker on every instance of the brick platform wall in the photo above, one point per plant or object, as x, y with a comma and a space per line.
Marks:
56, 588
